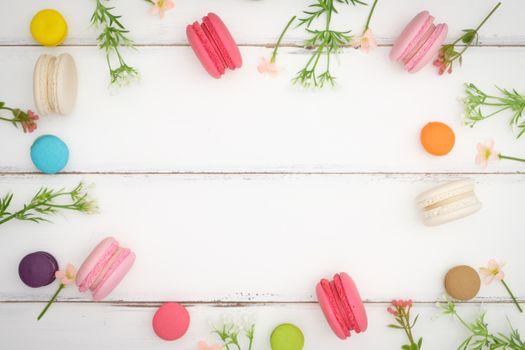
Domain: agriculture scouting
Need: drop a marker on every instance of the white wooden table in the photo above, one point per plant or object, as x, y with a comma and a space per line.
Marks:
238, 195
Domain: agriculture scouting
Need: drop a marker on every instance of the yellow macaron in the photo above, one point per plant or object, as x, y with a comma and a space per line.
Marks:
49, 27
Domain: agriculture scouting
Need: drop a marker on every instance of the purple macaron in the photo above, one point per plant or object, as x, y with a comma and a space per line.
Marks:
38, 269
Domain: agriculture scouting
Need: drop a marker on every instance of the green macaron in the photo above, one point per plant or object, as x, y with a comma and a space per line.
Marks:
287, 337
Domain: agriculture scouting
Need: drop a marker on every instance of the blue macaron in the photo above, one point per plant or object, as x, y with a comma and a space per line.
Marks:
49, 154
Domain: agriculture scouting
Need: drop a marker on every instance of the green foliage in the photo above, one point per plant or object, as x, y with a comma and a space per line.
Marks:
48, 202
477, 102
111, 39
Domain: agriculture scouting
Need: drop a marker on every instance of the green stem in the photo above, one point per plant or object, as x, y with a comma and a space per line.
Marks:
406, 326
274, 53
51, 301
370, 16
7, 119
150, 1
505, 284
488, 16
462, 321
501, 156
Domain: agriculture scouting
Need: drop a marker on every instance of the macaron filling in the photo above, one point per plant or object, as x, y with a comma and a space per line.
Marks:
450, 200
418, 42
425, 47
342, 310
214, 38
113, 264
208, 46
99, 267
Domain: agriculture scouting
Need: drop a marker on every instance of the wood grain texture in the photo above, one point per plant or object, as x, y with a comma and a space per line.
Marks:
270, 238
88, 326
180, 119
261, 21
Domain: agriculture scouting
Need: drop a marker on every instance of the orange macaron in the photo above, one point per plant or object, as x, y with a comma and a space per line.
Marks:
437, 138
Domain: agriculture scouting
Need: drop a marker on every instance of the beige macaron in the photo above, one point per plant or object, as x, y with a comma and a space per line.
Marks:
462, 282
448, 202
55, 84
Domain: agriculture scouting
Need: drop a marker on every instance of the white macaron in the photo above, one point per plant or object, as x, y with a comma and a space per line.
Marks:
452, 201
55, 84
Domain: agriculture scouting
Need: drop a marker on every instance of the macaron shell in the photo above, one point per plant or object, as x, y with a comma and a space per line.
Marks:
408, 35
93, 259
355, 302
40, 83
37, 269
329, 313
49, 27
203, 50
65, 84
171, 321
429, 50
226, 39
115, 277
49, 154
287, 337
444, 191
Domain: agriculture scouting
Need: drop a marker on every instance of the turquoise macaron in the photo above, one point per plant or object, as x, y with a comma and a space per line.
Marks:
49, 154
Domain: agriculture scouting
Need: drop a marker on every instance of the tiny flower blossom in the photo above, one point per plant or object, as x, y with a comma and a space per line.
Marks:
29, 123
492, 271
391, 310
68, 276
485, 153
161, 6
205, 346
266, 66
365, 42
443, 65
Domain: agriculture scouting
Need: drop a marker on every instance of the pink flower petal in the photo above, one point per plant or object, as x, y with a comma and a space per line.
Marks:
489, 279
60, 274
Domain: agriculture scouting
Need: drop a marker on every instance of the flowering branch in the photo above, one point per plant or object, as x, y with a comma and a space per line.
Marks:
366, 40
66, 277
486, 153
401, 312
112, 38
493, 271
448, 53
47, 202
27, 120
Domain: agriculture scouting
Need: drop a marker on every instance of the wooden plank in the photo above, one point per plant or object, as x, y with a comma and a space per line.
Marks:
270, 238
179, 119
260, 22
88, 326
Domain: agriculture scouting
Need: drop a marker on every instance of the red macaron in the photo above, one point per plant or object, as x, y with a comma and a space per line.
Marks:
342, 306
214, 45
171, 321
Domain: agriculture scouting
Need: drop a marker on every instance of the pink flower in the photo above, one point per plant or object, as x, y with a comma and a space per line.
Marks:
161, 6
204, 346
266, 66
442, 64
68, 276
391, 310
486, 153
29, 123
492, 271
365, 42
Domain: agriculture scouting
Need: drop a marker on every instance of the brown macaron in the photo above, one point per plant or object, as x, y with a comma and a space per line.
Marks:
462, 282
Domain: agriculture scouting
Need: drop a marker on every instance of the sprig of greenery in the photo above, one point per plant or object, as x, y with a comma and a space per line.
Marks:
111, 39
448, 52
324, 41
48, 202
480, 337
477, 101
229, 335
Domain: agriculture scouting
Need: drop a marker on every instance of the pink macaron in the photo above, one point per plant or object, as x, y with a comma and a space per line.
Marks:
342, 305
171, 321
214, 45
419, 42
104, 268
